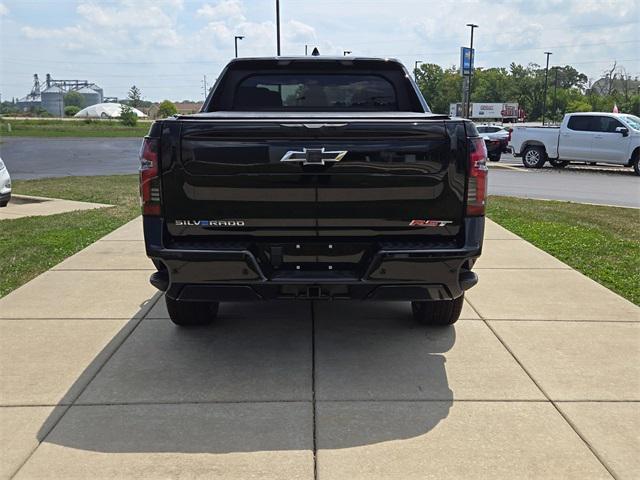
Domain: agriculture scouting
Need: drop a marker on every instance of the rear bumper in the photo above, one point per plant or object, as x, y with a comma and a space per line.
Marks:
390, 274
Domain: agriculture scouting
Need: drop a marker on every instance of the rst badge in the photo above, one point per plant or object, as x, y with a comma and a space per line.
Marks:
209, 223
430, 223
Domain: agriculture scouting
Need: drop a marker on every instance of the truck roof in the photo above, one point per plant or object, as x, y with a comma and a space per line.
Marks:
308, 58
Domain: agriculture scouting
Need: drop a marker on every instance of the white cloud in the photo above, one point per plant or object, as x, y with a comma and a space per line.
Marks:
3, 10
225, 10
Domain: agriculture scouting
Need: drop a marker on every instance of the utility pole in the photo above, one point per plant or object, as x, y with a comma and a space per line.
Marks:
204, 87
306, 49
415, 71
555, 95
278, 25
467, 104
544, 99
235, 40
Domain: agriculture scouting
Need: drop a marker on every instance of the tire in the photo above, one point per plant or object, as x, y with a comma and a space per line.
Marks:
634, 163
559, 163
437, 312
191, 314
534, 157
4, 204
495, 157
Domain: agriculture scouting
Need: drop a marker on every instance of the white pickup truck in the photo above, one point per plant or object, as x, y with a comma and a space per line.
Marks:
592, 137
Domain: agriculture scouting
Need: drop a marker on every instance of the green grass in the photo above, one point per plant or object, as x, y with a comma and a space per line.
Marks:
601, 242
32, 245
70, 128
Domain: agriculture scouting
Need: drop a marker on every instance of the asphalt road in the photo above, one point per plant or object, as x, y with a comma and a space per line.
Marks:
60, 157
55, 157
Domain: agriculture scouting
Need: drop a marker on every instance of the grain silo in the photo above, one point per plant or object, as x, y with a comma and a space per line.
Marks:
90, 95
52, 99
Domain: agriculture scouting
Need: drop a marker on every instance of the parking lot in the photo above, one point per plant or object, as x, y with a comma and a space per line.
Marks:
97, 383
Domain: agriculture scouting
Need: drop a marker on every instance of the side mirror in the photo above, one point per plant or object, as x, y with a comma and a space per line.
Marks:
623, 130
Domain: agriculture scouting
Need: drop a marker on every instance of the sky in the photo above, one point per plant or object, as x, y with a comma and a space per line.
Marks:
166, 47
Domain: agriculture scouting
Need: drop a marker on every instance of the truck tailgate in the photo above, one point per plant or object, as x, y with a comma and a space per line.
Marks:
272, 178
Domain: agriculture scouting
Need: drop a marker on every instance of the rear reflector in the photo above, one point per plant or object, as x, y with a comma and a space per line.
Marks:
149, 179
477, 187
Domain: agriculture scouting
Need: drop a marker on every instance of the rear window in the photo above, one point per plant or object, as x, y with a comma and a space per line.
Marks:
315, 92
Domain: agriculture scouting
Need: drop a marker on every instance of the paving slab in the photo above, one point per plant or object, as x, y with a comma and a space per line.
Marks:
81, 294
19, 432
517, 255
237, 359
49, 362
362, 357
493, 231
578, 360
435, 440
212, 441
128, 232
32, 206
612, 428
123, 255
547, 294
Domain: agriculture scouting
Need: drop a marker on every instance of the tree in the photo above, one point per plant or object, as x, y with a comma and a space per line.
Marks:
135, 97
71, 110
74, 99
128, 116
166, 109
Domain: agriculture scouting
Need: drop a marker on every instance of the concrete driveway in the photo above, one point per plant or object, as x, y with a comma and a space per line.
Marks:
540, 379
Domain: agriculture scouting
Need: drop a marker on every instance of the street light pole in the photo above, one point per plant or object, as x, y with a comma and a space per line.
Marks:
546, 75
467, 105
278, 25
236, 38
415, 70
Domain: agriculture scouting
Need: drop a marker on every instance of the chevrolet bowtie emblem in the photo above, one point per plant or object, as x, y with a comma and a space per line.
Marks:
313, 156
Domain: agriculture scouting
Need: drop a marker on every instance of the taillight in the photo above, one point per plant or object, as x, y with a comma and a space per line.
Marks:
477, 188
149, 179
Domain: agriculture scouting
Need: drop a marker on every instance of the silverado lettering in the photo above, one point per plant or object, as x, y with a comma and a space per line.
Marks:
325, 175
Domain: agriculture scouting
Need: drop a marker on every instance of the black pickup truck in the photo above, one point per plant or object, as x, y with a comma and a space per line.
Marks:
313, 178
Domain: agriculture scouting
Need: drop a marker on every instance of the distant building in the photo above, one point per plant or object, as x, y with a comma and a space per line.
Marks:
607, 85
51, 98
184, 108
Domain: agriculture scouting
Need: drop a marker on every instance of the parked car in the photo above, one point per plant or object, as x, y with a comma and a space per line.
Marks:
494, 147
496, 132
583, 137
5, 185
313, 178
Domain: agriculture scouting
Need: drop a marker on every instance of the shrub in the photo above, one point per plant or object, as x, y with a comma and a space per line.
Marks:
71, 110
166, 109
128, 116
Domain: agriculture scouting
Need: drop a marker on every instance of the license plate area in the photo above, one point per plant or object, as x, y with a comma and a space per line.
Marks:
317, 256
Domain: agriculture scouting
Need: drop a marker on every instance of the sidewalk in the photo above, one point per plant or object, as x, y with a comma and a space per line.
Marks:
540, 379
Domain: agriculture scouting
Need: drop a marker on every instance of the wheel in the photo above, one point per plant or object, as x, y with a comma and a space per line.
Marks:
437, 312
4, 204
533, 157
634, 163
191, 314
495, 157
559, 163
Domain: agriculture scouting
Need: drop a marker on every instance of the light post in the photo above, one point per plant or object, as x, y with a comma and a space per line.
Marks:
415, 70
278, 25
546, 75
467, 106
235, 39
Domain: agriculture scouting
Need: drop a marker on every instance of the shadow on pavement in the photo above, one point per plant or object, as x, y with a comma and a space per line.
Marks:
251, 381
